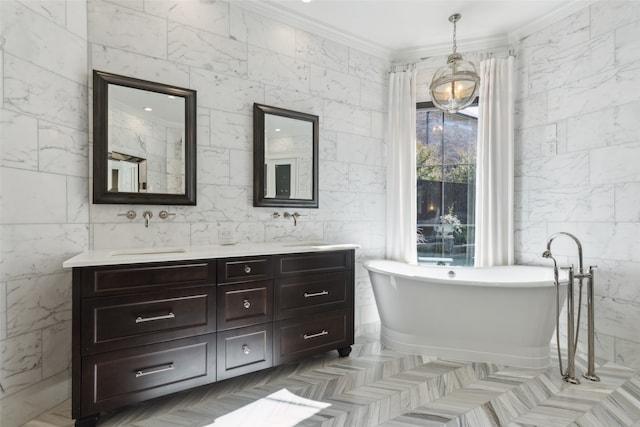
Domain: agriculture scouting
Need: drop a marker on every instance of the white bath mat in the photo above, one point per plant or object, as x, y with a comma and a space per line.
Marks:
279, 409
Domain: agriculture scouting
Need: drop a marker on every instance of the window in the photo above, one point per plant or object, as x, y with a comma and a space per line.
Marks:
446, 174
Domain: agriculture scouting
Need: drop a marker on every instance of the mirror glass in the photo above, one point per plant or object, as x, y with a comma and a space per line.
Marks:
144, 142
285, 157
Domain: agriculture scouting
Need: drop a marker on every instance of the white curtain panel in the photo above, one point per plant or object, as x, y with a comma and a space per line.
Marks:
401, 167
494, 179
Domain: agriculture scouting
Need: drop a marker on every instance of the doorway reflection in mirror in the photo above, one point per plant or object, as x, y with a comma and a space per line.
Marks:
126, 173
288, 158
152, 133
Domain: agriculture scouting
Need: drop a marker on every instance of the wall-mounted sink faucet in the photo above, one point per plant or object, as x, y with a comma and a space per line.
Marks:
294, 215
147, 217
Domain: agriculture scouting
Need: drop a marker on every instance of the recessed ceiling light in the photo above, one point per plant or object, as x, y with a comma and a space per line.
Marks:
148, 109
171, 97
277, 129
306, 1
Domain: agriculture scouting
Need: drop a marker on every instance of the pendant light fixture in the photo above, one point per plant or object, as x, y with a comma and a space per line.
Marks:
454, 85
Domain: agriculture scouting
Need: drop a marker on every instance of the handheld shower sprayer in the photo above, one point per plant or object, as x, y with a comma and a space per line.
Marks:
547, 254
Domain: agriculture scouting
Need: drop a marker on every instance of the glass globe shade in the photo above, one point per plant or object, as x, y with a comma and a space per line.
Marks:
455, 84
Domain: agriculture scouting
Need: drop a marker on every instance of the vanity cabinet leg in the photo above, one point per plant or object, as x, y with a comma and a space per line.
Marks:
344, 351
88, 421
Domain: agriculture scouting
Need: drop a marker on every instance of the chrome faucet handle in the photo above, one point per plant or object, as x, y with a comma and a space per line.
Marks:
130, 214
164, 214
275, 215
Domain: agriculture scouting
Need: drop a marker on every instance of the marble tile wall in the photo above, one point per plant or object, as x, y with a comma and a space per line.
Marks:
44, 168
233, 58
579, 74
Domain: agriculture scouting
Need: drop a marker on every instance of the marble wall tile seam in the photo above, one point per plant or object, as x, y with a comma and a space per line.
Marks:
41, 49
315, 54
8, 106
27, 358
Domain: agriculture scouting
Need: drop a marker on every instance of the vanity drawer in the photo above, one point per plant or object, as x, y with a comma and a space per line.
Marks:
244, 350
133, 278
244, 269
244, 304
305, 295
120, 322
141, 373
316, 262
294, 339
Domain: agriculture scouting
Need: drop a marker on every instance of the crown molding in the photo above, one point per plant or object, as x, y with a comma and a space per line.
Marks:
272, 11
446, 48
544, 21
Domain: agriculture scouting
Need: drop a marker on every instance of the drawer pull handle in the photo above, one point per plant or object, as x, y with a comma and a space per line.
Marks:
247, 269
246, 304
142, 373
140, 319
245, 349
315, 294
319, 334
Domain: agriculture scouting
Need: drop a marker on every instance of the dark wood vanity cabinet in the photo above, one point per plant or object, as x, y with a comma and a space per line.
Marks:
145, 330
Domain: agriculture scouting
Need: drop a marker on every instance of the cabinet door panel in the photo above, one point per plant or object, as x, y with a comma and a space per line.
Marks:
133, 278
244, 269
314, 262
127, 376
244, 350
244, 304
120, 322
309, 294
294, 339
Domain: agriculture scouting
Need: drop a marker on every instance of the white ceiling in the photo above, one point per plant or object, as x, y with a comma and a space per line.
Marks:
394, 26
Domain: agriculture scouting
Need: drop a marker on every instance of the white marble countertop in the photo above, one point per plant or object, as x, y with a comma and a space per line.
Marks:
133, 256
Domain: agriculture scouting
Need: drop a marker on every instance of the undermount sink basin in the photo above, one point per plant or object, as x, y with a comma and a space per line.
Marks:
148, 251
293, 244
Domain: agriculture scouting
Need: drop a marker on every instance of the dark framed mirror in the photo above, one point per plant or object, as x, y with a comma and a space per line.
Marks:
285, 158
144, 142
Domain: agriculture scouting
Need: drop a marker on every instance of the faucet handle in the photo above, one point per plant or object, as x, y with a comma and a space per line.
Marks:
131, 214
164, 214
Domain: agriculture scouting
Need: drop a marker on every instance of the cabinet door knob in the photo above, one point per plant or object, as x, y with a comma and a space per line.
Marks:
247, 269
245, 349
246, 304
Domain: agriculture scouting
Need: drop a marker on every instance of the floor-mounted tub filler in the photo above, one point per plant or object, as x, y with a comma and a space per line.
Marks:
573, 321
504, 315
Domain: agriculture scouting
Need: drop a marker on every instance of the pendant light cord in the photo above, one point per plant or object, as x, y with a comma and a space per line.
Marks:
455, 46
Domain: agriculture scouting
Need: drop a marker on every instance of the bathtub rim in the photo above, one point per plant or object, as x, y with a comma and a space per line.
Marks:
370, 265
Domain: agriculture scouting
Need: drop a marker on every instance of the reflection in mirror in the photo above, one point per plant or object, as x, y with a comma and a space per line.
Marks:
126, 173
144, 139
285, 157
288, 158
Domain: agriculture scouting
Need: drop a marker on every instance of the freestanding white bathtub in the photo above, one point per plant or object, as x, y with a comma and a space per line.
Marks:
504, 315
